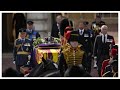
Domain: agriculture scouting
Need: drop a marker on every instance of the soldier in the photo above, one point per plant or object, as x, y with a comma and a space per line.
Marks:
72, 54
88, 46
105, 63
86, 27
85, 38
31, 33
96, 26
113, 72
67, 29
66, 22
22, 50
114, 66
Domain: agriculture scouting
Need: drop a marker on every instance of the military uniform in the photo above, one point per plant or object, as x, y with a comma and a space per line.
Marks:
67, 29
22, 51
71, 56
108, 74
65, 23
113, 68
88, 47
85, 38
96, 27
32, 34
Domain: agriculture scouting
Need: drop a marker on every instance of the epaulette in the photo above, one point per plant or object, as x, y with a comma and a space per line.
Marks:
15, 43
81, 47
66, 47
27, 38
16, 39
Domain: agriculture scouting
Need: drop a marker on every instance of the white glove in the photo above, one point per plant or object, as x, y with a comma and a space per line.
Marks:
95, 62
28, 63
13, 62
29, 57
56, 66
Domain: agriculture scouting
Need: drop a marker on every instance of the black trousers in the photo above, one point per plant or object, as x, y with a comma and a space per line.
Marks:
89, 61
100, 61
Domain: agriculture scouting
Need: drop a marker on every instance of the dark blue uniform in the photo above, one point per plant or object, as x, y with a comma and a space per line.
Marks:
22, 49
32, 34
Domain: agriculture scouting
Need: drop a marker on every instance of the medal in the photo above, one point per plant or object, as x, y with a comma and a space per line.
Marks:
86, 35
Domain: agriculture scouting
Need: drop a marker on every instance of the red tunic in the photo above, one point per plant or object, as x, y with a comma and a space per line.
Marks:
104, 64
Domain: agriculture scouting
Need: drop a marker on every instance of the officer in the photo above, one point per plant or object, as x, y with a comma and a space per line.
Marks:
31, 33
88, 45
22, 50
72, 54
96, 26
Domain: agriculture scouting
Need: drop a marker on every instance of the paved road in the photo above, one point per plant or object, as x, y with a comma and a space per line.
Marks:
7, 59
7, 62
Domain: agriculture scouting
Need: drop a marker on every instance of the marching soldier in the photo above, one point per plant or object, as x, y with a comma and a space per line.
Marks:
105, 63
73, 54
114, 70
31, 33
114, 66
96, 26
22, 50
85, 38
67, 29
88, 46
66, 22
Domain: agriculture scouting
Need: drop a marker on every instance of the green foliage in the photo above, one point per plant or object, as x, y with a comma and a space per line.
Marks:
38, 41
57, 40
